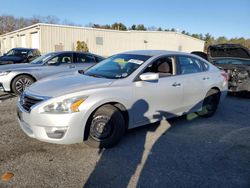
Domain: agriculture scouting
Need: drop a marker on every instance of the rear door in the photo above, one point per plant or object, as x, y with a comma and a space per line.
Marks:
195, 80
83, 61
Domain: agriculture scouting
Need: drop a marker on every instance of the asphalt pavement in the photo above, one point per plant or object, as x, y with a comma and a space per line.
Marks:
187, 151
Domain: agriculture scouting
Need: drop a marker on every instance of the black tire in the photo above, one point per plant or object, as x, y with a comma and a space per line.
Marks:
210, 104
106, 127
20, 83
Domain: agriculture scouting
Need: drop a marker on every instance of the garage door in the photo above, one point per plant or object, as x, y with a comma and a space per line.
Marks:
35, 40
23, 41
12, 42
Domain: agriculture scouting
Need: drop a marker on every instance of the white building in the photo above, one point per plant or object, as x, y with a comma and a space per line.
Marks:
49, 37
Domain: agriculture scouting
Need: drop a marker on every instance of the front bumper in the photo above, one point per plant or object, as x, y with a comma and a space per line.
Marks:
240, 87
5, 81
45, 126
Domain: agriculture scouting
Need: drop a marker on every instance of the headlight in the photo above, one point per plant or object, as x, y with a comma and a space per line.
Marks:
69, 105
4, 73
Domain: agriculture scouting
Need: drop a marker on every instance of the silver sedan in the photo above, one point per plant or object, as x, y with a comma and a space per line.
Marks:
16, 77
122, 92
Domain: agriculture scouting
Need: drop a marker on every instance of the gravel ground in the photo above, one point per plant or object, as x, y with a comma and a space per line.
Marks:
181, 152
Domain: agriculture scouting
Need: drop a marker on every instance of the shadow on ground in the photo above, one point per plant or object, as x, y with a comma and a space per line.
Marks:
6, 96
183, 152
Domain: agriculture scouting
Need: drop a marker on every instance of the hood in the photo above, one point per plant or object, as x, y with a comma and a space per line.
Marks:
16, 67
67, 83
227, 51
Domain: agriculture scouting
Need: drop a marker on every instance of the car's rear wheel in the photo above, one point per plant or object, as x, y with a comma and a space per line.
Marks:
210, 103
20, 83
107, 125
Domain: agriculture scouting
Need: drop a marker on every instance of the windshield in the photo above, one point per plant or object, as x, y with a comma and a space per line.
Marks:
117, 66
17, 52
42, 59
232, 62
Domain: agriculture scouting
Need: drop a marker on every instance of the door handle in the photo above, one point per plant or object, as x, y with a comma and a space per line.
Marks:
72, 66
176, 84
205, 78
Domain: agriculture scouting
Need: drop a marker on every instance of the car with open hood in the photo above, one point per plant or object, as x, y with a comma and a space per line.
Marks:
124, 91
235, 60
16, 77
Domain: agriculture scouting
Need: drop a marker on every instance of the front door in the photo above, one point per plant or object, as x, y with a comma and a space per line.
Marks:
155, 100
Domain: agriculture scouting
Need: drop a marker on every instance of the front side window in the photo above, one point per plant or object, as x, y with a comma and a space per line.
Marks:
165, 66
189, 65
65, 58
18, 52
117, 66
42, 59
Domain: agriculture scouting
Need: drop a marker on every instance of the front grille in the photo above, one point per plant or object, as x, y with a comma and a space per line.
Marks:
28, 101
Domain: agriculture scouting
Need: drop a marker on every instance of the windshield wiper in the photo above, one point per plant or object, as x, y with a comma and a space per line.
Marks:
95, 75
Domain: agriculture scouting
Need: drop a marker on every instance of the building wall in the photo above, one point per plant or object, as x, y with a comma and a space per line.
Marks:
99, 41
63, 37
19, 38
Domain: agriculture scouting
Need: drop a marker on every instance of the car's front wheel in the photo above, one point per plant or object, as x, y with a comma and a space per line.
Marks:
20, 83
210, 103
107, 126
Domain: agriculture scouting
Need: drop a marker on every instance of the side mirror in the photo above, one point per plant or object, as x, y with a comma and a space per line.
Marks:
4, 54
51, 63
149, 76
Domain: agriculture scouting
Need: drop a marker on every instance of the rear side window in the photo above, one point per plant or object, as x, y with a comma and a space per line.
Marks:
98, 59
202, 63
189, 65
85, 58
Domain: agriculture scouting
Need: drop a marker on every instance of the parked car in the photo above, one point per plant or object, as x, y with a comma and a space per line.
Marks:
16, 77
235, 60
19, 55
122, 92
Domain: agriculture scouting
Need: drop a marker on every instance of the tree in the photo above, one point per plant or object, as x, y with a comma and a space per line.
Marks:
81, 46
221, 40
209, 40
133, 27
119, 26
141, 27
159, 29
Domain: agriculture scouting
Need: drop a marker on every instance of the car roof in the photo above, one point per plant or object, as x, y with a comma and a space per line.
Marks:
24, 49
155, 52
61, 52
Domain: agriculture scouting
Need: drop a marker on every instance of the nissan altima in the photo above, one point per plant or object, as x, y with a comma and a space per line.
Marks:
124, 91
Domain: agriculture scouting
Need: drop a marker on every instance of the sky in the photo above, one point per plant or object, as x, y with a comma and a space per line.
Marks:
230, 18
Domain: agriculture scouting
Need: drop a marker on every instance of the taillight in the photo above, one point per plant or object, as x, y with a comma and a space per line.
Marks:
225, 76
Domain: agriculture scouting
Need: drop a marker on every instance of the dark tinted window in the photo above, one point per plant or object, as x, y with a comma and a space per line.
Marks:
189, 65
82, 58
98, 59
18, 52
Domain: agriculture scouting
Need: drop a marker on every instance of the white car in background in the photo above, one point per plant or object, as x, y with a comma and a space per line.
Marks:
125, 91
